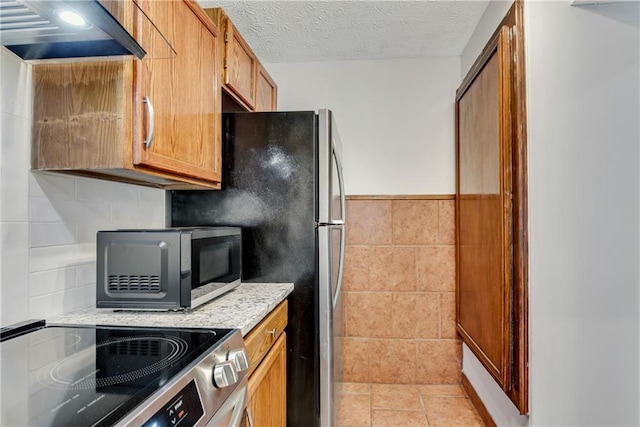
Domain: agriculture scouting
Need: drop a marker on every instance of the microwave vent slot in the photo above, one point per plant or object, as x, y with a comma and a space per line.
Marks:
134, 283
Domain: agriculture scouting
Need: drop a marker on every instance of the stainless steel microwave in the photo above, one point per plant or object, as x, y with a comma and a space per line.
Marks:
166, 269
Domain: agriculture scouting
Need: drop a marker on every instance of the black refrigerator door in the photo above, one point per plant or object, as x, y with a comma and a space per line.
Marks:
270, 172
271, 192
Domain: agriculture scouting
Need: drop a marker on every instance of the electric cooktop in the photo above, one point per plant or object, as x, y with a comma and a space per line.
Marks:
86, 376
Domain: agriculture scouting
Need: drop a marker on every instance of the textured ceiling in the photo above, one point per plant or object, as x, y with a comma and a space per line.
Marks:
296, 31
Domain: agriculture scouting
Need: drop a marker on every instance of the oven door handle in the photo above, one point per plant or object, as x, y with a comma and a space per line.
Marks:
235, 405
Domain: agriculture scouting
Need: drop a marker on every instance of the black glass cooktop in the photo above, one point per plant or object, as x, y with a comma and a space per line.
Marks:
86, 376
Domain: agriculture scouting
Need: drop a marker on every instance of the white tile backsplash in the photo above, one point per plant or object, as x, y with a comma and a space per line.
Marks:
47, 306
52, 234
42, 210
14, 277
48, 222
15, 168
63, 256
93, 189
86, 274
16, 85
51, 281
51, 186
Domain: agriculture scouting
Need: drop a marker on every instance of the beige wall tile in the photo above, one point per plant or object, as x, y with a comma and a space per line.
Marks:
399, 300
368, 314
438, 361
436, 266
393, 268
357, 264
415, 222
446, 222
415, 315
448, 315
368, 222
393, 361
356, 361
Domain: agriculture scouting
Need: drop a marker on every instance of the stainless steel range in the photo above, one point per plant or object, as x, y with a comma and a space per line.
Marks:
103, 376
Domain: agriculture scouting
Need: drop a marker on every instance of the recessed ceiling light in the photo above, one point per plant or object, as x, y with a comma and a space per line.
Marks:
71, 17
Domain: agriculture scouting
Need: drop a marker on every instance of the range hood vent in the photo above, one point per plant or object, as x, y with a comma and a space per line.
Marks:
38, 30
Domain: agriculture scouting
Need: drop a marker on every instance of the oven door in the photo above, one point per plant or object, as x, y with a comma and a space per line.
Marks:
232, 412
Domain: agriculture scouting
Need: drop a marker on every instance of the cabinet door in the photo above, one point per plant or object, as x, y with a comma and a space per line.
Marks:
177, 96
266, 94
267, 404
485, 214
240, 66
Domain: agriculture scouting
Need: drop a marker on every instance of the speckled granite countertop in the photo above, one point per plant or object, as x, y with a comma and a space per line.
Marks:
242, 308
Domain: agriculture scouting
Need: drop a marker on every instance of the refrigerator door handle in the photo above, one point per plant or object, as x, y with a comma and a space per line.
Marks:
343, 239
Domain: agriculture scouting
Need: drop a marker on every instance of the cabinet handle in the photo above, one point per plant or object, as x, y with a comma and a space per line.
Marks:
273, 332
151, 127
249, 417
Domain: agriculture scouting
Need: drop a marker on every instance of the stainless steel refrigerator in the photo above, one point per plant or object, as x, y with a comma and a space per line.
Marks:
283, 185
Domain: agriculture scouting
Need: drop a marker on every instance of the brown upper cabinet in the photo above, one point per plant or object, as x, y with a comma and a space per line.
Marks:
154, 122
266, 92
245, 78
491, 210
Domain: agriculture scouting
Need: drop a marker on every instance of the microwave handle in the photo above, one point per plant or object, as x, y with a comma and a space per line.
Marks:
185, 254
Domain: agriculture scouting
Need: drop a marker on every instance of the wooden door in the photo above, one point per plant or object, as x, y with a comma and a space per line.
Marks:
491, 209
484, 224
183, 92
267, 401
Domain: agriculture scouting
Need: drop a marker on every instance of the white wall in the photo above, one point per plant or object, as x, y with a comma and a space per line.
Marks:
584, 180
48, 222
493, 14
395, 118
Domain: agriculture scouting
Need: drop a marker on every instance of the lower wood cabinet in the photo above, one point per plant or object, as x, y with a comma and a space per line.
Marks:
267, 350
267, 401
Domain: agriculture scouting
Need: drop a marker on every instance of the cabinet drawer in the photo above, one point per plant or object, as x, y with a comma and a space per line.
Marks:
262, 337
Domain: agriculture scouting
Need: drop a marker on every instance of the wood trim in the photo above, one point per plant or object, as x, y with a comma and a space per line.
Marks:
477, 402
403, 197
203, 16
505, 52
520, 389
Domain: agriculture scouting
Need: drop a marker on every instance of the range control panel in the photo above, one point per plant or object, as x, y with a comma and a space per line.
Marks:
184, 410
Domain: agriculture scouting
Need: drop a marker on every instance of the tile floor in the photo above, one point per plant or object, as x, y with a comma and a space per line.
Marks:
385, 405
